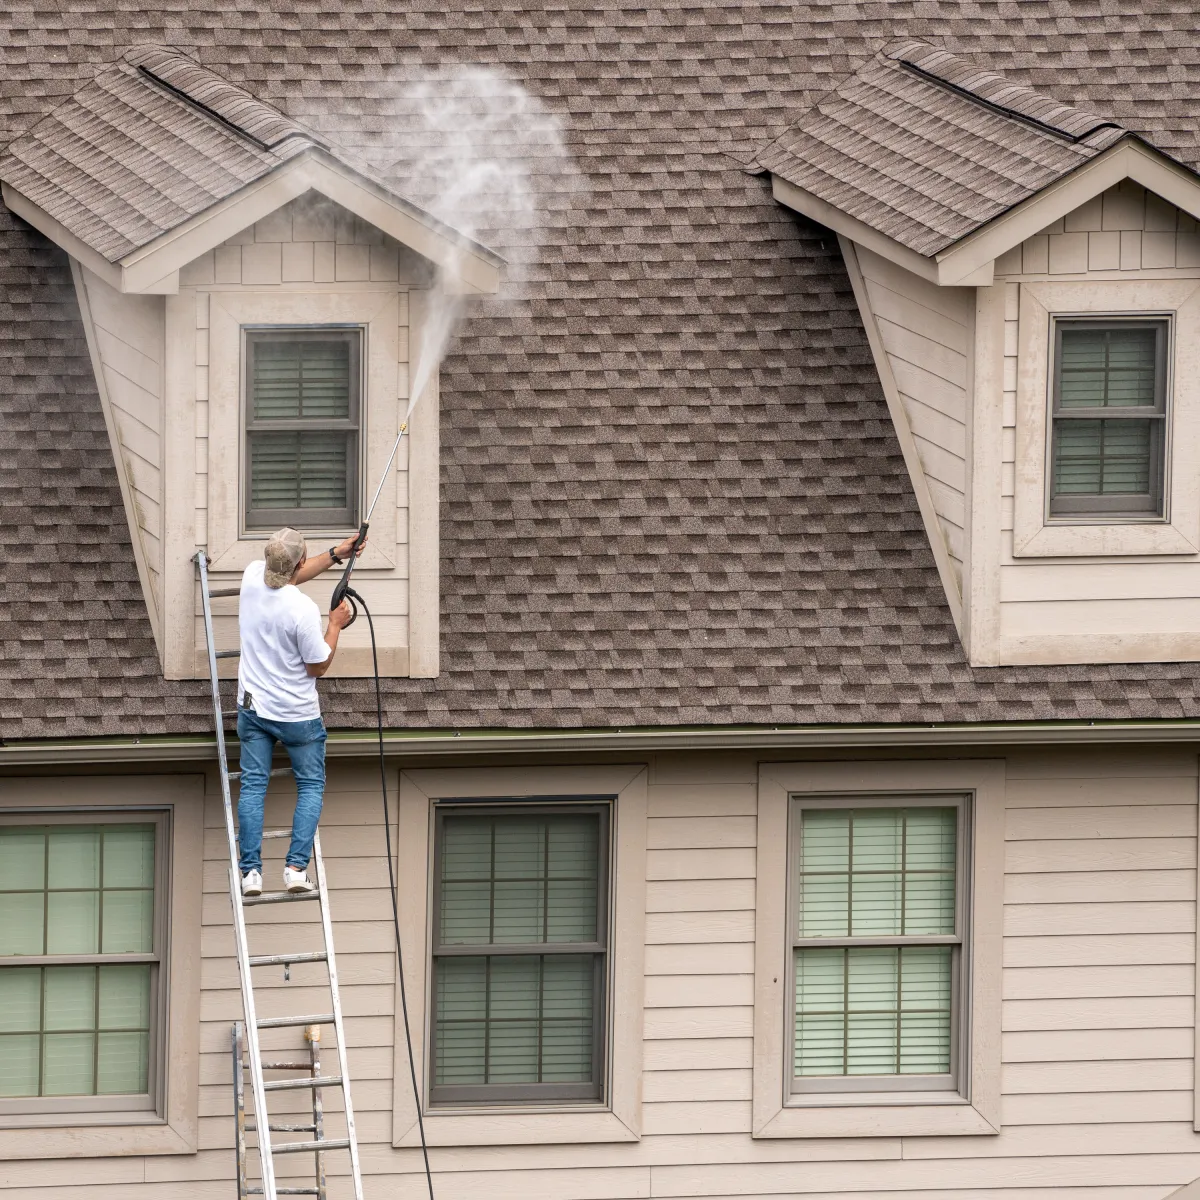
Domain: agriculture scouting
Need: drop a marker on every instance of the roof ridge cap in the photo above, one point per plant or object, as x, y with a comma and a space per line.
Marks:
217, 97
1017, 101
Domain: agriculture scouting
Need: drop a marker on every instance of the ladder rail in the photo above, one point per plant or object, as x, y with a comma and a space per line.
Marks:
267, 1164
335, 994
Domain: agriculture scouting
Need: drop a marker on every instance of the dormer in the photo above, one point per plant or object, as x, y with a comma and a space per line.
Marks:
1028, 274
253, 300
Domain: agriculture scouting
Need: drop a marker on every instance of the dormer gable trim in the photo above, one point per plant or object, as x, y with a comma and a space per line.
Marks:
158, 160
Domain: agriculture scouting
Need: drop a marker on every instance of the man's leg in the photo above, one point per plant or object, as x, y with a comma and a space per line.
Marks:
257, 745
305, 744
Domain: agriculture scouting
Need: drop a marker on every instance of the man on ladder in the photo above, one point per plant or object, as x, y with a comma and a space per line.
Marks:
283, 655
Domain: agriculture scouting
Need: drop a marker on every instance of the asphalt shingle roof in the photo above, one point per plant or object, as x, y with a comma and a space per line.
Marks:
670, 489
926, 147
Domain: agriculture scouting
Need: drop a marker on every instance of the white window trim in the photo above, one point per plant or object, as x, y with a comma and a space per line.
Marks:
898, 1114
377, 314
174, 1128
1034, 533
618, 1119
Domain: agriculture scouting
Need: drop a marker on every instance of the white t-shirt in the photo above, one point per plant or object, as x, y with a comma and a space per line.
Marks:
281, 631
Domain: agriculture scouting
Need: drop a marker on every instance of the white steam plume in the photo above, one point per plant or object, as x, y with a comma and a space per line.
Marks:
471, 139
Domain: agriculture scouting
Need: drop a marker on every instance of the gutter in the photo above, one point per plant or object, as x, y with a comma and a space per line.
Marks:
772, 739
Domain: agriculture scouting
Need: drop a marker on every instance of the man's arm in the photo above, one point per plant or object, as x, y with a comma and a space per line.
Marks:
338, 620
312, 567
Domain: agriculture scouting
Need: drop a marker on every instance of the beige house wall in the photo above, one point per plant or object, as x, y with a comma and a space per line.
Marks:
1097, 1066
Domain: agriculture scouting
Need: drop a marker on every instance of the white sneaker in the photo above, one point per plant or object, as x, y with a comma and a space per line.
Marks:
252, 883
297, 881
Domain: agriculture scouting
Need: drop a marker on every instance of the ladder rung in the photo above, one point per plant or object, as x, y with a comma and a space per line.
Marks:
286, 1066
283, 960
285, 1191
276, 833
278, 897
283, 1022
300, 1147
226, 653
219, 593
292, 1085
273, 772
252, 1127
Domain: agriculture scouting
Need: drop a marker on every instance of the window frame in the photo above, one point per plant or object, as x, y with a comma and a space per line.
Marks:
263, 520
149, 1101
1115, 508
498, 1095
799, 1087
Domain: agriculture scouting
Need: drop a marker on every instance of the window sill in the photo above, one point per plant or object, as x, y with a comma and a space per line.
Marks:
95, 1135
518, 1127
875, 1115
1131, 537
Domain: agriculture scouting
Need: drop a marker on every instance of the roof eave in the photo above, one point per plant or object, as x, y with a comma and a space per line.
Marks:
466, 265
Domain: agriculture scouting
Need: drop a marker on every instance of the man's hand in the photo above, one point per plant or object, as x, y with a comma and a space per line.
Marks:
346, 548
340, 617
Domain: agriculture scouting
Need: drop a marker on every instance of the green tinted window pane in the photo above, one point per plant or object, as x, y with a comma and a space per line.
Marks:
125, 996
877, 836
128, 922
299, 469
20, 1055
1105, 368
872, 987
70, 998
73, 923
824, 906
518, 913
571, 910
520, 848
513, 1052
514, 987
22, 859
467, 848
22, 922
1102, 458
930, 839
74, 858
820, 1012
68, 1064
875, 906
122, 1063
466, 916
129, 857
567, 987
309, 379
925, 993
461, 1033
929, 904
20, 1000
824, 890
513, 1001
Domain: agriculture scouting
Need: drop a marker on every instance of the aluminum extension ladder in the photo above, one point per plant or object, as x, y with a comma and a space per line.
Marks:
319, 1144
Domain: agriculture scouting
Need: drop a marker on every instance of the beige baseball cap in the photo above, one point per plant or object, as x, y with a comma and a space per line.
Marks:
285, 548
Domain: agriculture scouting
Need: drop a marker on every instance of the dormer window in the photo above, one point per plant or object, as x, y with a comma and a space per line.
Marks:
1109, 420
302, 428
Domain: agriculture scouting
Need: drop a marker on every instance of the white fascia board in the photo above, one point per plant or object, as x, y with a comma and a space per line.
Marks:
473, 266
1131, 158
852, 228
42, 221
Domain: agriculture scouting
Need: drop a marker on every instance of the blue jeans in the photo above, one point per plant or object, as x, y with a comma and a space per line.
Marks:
305, 743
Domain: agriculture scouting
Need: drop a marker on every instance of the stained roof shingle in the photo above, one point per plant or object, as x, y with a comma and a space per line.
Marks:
925, 147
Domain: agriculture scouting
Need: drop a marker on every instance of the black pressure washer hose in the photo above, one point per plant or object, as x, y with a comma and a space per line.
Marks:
346, 592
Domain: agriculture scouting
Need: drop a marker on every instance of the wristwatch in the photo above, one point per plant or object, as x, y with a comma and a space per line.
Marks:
334, 556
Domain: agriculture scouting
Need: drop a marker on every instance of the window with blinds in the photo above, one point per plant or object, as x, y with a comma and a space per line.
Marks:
877, 942
520, 953
302, 428
1109, 424
79, 961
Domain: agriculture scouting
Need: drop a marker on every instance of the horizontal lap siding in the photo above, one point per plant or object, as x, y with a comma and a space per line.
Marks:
1098, 1013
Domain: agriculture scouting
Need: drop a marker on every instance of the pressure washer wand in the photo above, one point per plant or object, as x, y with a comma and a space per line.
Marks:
343, 588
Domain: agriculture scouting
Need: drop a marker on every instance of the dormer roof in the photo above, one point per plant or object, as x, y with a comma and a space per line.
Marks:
155, 143
920, 150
